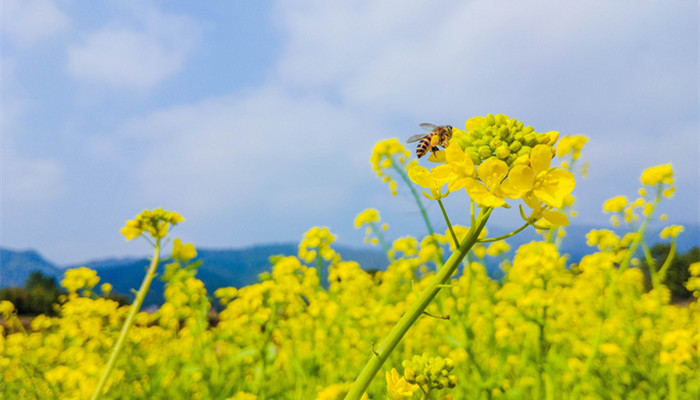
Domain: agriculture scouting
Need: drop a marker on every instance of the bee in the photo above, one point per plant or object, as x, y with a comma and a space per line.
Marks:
439, 135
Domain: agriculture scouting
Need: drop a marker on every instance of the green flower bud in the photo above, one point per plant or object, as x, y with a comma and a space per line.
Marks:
502, 151
421, 380
490, 120
524, 150
484, 152
495, 143
511, 158
409, 374
530, 139
474, 155
452, 381
449, 364
515, 146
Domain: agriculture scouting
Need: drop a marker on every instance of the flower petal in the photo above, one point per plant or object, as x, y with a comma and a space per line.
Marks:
492, 172
540, 157
480, 194
554, 187
556, 218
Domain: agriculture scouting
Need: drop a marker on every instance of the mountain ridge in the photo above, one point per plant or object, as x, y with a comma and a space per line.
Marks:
223, 267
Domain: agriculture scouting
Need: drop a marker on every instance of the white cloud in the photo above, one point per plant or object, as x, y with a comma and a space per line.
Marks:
25, 22
414, 57
267, 151
30, 180
137, 51
273, 148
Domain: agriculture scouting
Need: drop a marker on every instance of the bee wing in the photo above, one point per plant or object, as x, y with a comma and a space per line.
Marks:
428, 127
416, 138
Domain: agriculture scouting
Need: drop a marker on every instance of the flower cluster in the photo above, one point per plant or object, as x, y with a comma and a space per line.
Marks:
317, 243
495, 159
386, 155
154, 222
430, 372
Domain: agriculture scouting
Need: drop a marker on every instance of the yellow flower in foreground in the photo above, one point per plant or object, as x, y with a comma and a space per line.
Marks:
397, 386
552, 186
538, 212
457, 170
422, 177
655, 175
491, 172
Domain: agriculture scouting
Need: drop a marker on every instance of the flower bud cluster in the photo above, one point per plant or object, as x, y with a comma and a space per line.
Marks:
501, 137
82, 278
384, 155
317, 242
156, 223
430, 372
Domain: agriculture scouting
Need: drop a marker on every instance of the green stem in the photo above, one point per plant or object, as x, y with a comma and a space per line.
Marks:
383, 242
668, 261
423, 212
672, 385
140, 296
506, 236
416, 309
449, 225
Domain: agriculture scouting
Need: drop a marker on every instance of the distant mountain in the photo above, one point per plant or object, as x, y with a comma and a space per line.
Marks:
220, 268
241, 267
15, 266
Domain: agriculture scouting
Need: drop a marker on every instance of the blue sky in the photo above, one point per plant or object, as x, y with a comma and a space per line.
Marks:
255, 120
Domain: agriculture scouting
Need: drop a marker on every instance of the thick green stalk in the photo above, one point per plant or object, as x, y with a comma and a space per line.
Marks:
140, 296
416, 309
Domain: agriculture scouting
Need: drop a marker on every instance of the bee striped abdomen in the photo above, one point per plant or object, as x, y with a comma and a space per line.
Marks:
423, 146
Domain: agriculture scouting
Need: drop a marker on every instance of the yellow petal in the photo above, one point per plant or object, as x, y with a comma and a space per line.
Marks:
492, 172
554, 187
454, 154
419, 175
540, 157
521, 177
480, 194
556, 218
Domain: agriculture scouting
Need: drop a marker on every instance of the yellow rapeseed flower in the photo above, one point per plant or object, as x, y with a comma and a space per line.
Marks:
384, 155
671, 231
658, 174
397, 386
184, 252
368, 216
156, 223
616, 204
458, 169
571, 145
422, 177
489, 193
552, 186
